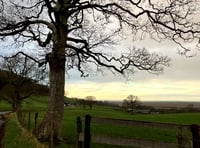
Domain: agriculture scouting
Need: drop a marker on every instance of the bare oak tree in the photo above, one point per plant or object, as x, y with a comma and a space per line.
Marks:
90, 100
131, 103
74, 33
21, 79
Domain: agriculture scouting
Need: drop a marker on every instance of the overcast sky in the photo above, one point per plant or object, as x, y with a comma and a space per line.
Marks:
179, 82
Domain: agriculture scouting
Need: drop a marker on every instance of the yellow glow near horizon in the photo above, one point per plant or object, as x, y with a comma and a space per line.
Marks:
151, 90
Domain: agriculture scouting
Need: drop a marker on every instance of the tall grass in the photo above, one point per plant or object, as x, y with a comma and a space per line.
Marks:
16, 137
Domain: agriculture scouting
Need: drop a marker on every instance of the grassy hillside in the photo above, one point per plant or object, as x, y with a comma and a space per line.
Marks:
10, 81
4, 106
33, 103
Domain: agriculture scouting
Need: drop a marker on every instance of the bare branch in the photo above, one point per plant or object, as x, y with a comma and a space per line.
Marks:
81, 33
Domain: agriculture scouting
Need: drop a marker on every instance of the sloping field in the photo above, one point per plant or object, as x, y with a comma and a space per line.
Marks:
71, 113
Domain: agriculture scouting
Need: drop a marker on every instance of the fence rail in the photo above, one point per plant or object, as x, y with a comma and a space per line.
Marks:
131, 142
139, 123
181, 141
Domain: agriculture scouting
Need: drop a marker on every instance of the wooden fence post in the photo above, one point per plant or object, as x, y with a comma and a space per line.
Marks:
87, 131
36, 117
195, 136
23, 118
79, 130
180, 139
29, 120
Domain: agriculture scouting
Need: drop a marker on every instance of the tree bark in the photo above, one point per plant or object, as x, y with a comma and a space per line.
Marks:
17, 101
52, 121
15, 107
50, 128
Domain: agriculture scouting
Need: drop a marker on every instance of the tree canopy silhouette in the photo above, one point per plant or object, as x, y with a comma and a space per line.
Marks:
73, 33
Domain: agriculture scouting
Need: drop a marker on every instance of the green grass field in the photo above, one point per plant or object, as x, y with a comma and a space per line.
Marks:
166, 135
71, 113
15, 137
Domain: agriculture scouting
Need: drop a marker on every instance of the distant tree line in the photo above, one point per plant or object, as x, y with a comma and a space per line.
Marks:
89, 101
132, 104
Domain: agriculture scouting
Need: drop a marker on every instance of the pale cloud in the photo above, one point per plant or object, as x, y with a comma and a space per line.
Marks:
179, 82
171, 90
110, 90
163, 90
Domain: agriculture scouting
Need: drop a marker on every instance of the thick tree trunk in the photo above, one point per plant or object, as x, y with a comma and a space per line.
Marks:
15, 107
17, 101
51, 123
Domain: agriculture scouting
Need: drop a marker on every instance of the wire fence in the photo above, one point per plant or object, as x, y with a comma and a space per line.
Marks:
85, 137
